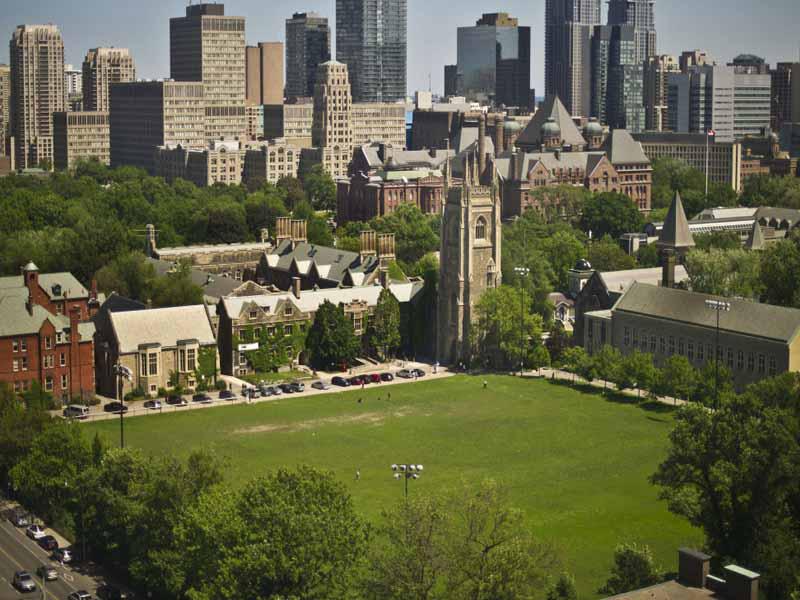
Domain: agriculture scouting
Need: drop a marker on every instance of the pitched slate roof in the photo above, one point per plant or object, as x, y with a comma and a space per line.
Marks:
214, 286
675, 232
164, 326
619, 281
70, 286
586, 161
467, 139
755, 241
623, 149
555, 109
671, 590
746, 318
331, 264
16, 320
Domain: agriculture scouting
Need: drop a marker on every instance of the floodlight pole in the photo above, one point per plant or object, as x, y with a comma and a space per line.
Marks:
718, 306
522, 272
406, 472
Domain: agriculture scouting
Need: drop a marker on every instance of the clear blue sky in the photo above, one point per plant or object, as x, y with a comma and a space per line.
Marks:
769, 28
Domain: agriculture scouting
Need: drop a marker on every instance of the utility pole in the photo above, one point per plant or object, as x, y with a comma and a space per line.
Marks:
718, 306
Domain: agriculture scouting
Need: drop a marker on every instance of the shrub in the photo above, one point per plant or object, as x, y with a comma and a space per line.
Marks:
221, 385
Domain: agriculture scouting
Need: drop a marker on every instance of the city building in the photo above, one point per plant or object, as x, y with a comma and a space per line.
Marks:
37, 78
379, 122
291, 122
617, 78
790, 139
724, 158
451, 80
452, 125
271, 161
156, 345
102, 68
772, 223
470, 264
694, 58
255, 121
5, 107
752, 96
46, 336
332, 130
563, 134
639, 14
264, 70
494, 61
308, 44
219, 162
656, 76
209, 47
371, 41
569, 26
785, 94
73, 80
81, 136
148, 114
702, 99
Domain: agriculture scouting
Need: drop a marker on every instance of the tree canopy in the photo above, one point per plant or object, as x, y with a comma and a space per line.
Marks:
331, 340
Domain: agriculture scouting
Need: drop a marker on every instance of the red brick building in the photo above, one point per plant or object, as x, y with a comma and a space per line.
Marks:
45, 333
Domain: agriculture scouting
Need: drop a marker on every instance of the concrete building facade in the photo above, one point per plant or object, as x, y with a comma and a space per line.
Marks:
37, 79
291, 121
102, 68
379, 122
264, 73
81, 136
332, 131
701, 99
5, 107
308, 44
656, 76
752, 98
271, 161
220, 162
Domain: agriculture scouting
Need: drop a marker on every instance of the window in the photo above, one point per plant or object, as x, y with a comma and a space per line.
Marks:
287, 330
653, 344
23, 345
59, 337
730, 358
242, 359
191, 360
627, 336
671, 345
773, 367
48, 383
643, 341
15, 365
48, 342
700, 352
15, 345
480, 229
357, 324
152, 361
761, 364
253, 314
49, 361
690, 350
24, 363
17, 386
64, 382
751, 361
143, 365
662, 345
270, 331
740, 360
288, 311
681, 346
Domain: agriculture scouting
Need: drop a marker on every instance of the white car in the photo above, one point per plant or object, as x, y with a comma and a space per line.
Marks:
320, 385
35, 532
62, 555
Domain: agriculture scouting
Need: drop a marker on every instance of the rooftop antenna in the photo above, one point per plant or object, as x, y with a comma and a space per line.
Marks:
430, 87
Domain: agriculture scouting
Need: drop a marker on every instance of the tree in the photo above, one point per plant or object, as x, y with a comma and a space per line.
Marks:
176, 289
318, 231
293, 191
263, 207
606, 255
558, 342
633, 569
128, 275
678, 378
767, 190
562, 250
722, 240
638, 371
608, 363
712, 382
331, 340
573, 359
672, 175
320, 188
779, 267
612, 214
20, 425
223, 221
384, 326
563, 588
417, 234
647, 256
725, 272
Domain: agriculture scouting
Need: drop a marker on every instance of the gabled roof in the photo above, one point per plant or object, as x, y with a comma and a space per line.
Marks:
617, 282
16, 320
467, 139
621, 148
70, 287
330, 263
675, 233
531, 136
163, 326
755, 241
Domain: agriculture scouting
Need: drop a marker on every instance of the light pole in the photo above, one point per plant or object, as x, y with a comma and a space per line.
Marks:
521, 272
718, 306
406, 472
122, 372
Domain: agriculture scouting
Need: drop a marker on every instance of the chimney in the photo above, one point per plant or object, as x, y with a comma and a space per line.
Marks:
740, 583
150, 248
369, 242
693, 567
283, 229
264, 235
669, 261
386, 247
296, 287
299, 230
93, 290
384, 274
499, 141
481, 145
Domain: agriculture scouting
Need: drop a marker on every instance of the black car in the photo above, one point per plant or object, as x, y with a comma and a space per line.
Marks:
265, 391
19, 518
48, 543
287, 388
202, 399
227, 395
418, 372
112, 592
387, 377
340, 381
176, 400
115, 407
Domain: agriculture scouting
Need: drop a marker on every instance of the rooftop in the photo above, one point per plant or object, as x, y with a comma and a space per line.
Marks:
163, 326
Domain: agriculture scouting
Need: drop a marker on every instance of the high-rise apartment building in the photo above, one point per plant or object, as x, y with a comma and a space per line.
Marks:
752, 96
37, 80
308, 44
332, 129
568, 30
103, 67
371, 41
5, 106
694, 58
640, 14
149, 114
209, 47
73, 80
494, 61
701, 99
264, 73
656, 74
785, 94
80, 136
617, 78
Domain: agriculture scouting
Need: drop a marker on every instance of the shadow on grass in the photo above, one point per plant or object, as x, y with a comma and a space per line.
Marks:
611, 395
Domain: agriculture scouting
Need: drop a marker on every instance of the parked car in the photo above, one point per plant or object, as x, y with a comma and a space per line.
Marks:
24, 582
374, 378
298, 386
19, 518
48, 542
357, 380
320, 385
35, 531
254, 392
153, 404
227, 395
112, 592
47, 573
115, 407
202, 399
265, 391
76, 411
275, 390
176, 400
80, 595
405, 374
63, 555
287, 388
340, 381
387, 377
418, 372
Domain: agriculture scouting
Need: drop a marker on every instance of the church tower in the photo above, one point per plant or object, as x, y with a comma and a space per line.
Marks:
469, 260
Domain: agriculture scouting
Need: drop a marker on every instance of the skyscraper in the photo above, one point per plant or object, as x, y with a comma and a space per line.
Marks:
641, 15
37, 80
308, 44
332, 129
568, 31
265, 73
701, 99
656, 74
5, 106
752, 95
207, 46
103, 67
371, 41
617, 78
785, 94
494, 61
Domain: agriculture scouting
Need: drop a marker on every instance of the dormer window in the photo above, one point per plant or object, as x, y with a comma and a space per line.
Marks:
56, 290
288, 311
253, 313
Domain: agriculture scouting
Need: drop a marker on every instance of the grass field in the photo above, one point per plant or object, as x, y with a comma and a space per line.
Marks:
576, 463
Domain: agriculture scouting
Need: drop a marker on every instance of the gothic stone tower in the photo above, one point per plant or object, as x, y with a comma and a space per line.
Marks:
469, 264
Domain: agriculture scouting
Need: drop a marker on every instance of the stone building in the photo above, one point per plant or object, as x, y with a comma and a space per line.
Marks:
45, 333
255, 121
80, 136
102, 68
271, 161
656, 87
469, 263
292, 122
379, 122
220, 162
332, 131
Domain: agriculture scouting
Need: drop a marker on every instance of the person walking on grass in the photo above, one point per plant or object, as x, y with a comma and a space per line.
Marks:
358, 474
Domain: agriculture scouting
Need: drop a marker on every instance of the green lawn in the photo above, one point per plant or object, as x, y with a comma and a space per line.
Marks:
576, 463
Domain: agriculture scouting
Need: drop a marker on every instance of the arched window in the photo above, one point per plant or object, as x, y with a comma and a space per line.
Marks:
480, 229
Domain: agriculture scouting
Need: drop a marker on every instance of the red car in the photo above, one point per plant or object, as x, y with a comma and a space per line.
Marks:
357, 380
374, 378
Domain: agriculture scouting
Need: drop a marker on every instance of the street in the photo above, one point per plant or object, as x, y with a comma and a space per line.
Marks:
18, 553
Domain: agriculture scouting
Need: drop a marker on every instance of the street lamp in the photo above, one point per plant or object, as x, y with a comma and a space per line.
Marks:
122, 372
406, 472
718, 306
522, 272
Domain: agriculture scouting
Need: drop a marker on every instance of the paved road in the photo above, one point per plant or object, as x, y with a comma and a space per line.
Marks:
18, 553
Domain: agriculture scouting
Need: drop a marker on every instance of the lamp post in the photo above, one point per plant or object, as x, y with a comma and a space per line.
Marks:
522, 272
718, 306
122, 372
406, 472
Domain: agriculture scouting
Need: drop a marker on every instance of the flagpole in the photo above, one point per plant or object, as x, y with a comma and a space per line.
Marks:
706, 165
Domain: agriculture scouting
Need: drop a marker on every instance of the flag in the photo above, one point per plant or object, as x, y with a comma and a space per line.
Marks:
712, 133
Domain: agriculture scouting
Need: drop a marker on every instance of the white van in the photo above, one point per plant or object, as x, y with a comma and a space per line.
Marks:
76, 411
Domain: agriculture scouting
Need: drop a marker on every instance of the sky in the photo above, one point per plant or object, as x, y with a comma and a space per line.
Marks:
725, 28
